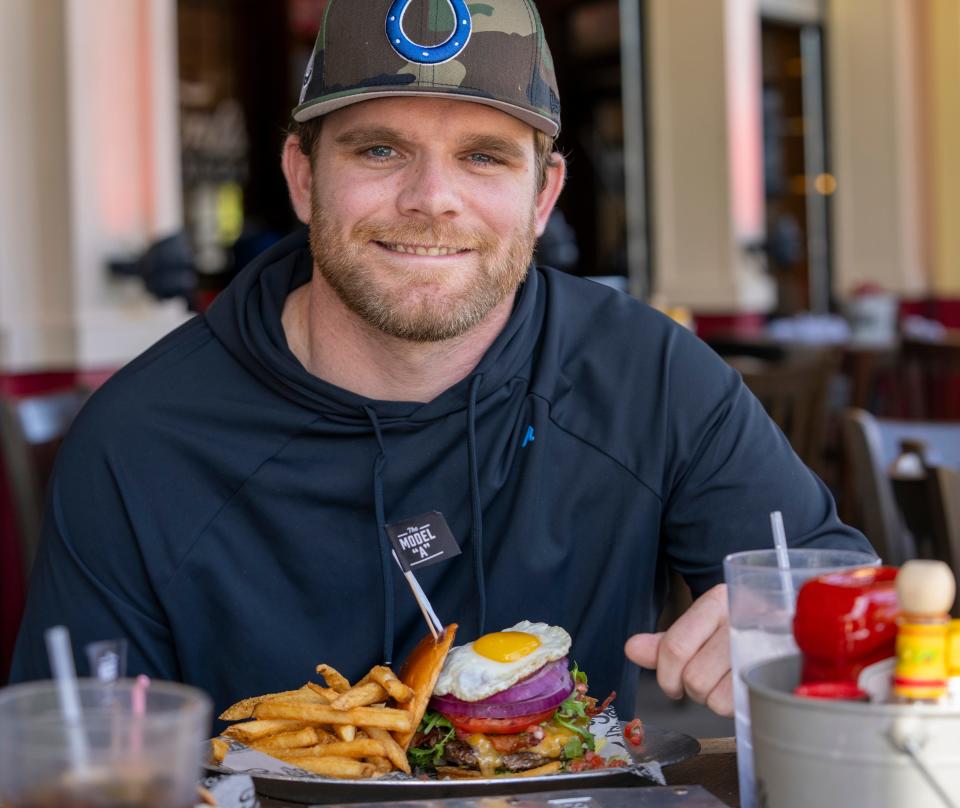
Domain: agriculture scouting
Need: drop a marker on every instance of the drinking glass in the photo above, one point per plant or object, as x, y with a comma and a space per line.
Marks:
762, 601
114, 757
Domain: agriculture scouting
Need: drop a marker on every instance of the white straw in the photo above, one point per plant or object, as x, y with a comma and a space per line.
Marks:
783, 557
433, 622
65, 673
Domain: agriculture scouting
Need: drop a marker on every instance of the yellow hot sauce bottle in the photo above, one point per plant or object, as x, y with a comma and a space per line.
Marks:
925, 590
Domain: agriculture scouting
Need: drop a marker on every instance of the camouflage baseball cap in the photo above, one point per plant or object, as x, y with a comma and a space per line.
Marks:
490, 52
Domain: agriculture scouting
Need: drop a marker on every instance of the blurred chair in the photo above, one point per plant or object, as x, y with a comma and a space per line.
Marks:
795, 393
31, 430
873, 445
944, 499
931, 376
13, 587
928, 495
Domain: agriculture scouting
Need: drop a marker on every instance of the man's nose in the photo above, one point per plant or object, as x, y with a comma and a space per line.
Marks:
430, 189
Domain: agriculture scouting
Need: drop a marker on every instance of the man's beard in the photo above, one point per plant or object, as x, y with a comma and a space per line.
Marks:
502, 268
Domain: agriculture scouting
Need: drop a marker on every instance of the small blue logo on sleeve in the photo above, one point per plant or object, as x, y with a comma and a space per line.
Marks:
429, 54
529, 437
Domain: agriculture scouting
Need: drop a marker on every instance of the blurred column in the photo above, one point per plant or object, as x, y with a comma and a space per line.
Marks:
707, 154
92, 172
36, 318
941, 25
634, 167
877, 111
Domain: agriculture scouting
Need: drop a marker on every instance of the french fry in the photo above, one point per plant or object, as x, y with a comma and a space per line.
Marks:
547, 768
367, 747
327, 692
381, 764
359, 696
244, 708
393, 750
253, 730
218, 749
333, 678
305, 695
385, 717
333, 729
324, 735
388, 680
361, 748
290, 740
344, 768
289, 755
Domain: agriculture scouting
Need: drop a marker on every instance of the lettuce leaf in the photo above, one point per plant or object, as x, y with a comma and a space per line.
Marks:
573, 748
572, 713
431, 755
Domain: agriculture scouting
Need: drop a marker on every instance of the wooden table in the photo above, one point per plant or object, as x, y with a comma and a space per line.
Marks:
715, 769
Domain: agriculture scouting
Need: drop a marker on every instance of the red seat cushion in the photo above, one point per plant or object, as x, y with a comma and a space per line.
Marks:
12, 585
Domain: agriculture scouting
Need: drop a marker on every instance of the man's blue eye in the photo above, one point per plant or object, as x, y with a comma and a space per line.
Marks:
380, 152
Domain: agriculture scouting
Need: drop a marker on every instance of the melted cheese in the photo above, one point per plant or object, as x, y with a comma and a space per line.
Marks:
554, 739
487, 758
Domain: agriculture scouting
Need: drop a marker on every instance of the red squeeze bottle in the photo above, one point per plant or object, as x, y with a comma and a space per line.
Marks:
846, 621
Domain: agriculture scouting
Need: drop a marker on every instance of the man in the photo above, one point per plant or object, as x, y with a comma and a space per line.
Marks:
224, 501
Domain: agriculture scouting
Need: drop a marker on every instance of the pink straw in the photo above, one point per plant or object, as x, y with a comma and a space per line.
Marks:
138, 703
138, 696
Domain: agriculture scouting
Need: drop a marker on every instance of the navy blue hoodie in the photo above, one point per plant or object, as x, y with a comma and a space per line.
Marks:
222, 508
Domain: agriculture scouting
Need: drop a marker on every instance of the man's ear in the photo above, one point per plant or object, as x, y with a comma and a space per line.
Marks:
547, 198
299, 176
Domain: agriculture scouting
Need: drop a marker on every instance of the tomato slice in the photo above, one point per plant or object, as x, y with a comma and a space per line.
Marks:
633, 732
497, 726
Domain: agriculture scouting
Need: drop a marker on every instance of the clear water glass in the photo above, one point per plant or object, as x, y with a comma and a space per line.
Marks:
762, 601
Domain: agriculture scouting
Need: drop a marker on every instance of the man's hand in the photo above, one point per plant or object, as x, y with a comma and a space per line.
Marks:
693, 655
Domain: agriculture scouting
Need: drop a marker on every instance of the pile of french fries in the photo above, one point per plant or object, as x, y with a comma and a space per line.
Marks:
337, 730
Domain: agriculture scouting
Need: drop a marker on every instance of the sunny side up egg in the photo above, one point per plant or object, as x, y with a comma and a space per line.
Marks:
494, 662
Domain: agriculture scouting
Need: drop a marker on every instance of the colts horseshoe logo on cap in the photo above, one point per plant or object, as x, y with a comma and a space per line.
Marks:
429, 54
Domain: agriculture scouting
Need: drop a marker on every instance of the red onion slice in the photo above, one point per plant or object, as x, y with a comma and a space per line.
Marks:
546, 680
548, 691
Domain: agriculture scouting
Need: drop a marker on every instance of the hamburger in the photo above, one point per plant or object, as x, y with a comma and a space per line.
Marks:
508, 702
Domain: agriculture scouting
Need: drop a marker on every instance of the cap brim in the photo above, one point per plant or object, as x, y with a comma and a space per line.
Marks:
314, 109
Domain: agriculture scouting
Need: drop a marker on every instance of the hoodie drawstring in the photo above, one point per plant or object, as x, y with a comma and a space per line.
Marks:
386, 560
477, 525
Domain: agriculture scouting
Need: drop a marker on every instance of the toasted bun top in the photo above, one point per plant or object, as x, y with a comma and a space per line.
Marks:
420, 672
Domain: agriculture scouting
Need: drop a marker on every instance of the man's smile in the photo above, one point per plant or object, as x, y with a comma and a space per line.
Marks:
421, 249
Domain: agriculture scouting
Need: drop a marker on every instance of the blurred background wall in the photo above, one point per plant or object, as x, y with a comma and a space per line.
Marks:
738, 159
90, 155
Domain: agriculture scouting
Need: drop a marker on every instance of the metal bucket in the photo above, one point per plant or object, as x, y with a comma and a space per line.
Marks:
815, 753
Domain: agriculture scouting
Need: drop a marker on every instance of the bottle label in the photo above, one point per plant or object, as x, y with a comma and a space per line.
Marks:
953, 649
921, 669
